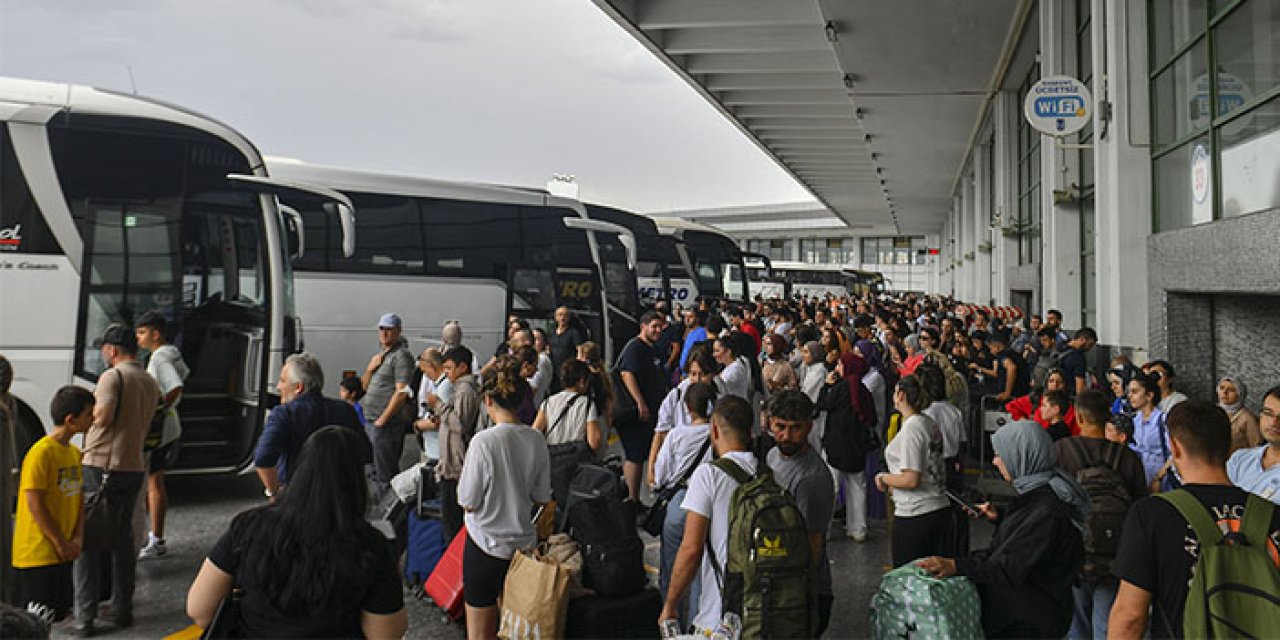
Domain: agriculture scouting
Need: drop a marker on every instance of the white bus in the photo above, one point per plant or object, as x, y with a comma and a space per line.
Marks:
112, 205
432, 251
712, 258
660, 273
802, 279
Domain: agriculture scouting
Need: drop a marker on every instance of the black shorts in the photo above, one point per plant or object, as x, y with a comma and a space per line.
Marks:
482, 576
45, 591
163, 457
636, 438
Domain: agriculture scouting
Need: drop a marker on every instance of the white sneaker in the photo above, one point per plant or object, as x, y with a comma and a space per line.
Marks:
858, 535
154, 549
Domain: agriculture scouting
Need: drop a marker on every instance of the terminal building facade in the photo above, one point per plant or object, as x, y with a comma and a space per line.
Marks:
1155, 224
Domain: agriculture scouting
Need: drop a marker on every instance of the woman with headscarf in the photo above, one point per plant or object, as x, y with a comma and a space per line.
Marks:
812, 374
849, 435
1025, 576
1245, 431
776, 369
875, 380
1118, 377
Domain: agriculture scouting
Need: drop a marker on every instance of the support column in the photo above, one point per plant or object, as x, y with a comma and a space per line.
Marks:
1004, 252
1060, 232
982, 224
1123, 161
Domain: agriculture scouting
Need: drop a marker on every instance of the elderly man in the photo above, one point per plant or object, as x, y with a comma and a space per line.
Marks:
386, 400
303, 410
434, 380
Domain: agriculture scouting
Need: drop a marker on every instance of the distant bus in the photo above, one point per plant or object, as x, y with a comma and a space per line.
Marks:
802, 279
112, 205
433, 251
712, 257
660, 272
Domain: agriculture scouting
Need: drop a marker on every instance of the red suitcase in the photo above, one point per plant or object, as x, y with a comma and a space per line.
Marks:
444, 587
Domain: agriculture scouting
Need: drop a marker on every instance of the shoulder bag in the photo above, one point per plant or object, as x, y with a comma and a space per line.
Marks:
99, 525
656, 516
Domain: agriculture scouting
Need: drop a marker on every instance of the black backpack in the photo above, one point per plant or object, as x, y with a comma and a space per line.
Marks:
1048, 361
1110, 498
612, 552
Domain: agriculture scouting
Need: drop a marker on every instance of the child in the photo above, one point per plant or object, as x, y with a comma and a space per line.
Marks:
1053, 406
350, 391
50, 527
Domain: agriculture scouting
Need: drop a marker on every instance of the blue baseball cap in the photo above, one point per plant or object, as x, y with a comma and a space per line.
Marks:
389, 321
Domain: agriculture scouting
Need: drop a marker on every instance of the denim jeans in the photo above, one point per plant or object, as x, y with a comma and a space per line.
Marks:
1092, 608
672, 536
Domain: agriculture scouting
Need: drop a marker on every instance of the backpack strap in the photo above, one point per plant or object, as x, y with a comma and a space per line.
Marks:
563, 413
697, 459
1258, 513
1078, 451
731, 469
1196, 515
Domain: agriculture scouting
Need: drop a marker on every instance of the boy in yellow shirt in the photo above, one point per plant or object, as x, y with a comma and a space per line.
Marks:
50, 524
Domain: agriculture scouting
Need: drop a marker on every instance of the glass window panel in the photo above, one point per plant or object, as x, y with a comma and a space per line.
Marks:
1184, 186
1247, 44
1182, 97
388, 237
1250, 161
1173, 23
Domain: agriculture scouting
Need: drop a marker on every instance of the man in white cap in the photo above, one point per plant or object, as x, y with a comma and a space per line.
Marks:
386, 401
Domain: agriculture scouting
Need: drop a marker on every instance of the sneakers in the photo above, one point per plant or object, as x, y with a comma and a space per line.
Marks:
154, 549
858, 535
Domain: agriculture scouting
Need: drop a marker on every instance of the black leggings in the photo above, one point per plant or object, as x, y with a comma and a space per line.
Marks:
922, 536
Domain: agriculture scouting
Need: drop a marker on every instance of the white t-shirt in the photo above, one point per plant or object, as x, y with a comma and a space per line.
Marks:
736, 379
506, 472
540, 382
443, 390
577, 413
950, 423
918, 447
168, 369
672, 412
678, 450
710, 495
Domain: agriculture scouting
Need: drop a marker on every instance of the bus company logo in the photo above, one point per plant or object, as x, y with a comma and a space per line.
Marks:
11, 238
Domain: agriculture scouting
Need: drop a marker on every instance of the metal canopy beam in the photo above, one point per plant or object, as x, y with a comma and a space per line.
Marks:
773, 62
666, 14
778, 81
741, 40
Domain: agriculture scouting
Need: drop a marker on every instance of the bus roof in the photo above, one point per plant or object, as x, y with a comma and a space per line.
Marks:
18, 94
345, 179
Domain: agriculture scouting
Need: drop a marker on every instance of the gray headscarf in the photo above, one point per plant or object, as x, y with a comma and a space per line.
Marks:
1027, 452
1241, 391
913, 342
816, 348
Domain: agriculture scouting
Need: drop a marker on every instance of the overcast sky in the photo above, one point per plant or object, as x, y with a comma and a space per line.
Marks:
505, 91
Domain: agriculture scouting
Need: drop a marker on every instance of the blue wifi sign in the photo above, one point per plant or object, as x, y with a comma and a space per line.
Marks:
1058, 105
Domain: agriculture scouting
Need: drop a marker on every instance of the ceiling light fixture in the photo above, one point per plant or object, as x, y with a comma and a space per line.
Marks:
833, 32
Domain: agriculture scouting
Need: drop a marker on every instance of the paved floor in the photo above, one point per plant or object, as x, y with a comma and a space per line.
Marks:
202, 507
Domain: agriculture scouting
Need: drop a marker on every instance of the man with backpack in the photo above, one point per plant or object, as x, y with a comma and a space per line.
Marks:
1174, 559
725, 501
1112, 474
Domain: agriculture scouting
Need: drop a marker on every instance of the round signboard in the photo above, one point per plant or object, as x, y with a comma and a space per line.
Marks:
1200, 174
1058, 105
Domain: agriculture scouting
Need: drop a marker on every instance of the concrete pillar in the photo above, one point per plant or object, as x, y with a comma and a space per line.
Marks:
982, 224
1004, 253
1123, 174
1060, 228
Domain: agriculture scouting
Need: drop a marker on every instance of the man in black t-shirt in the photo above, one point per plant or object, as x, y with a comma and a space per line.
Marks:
1012, 377
1158, 549
640, 369
1073, 363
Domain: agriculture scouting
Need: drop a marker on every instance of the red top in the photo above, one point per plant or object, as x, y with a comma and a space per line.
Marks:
1021, 409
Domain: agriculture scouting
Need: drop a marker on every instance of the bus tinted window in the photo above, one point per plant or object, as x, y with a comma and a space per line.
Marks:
548, 241
389, 237
24, 228
469, 238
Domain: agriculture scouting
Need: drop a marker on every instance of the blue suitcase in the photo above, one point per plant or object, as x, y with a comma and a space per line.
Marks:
426, 544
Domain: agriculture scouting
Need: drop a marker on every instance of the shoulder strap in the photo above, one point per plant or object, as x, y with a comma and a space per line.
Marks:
1196, 515
617, 360
1258, 513
693, 464
563, 413
731, 469
1078, 450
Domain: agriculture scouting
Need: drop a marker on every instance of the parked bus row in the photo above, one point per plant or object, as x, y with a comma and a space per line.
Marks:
112, 205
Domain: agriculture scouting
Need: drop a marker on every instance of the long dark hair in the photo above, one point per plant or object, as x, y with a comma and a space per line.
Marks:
313, 549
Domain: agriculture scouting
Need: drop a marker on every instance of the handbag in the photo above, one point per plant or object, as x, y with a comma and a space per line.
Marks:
566, 457
226, 620
99, 525
656, 515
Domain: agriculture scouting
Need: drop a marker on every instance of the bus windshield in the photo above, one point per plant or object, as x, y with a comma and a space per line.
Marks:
714, 259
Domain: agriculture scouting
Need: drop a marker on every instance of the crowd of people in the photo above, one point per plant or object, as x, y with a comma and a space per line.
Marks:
856, 407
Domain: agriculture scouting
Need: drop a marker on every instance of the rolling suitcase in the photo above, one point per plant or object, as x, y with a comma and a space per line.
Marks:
425, 546
633, 616
444, 587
